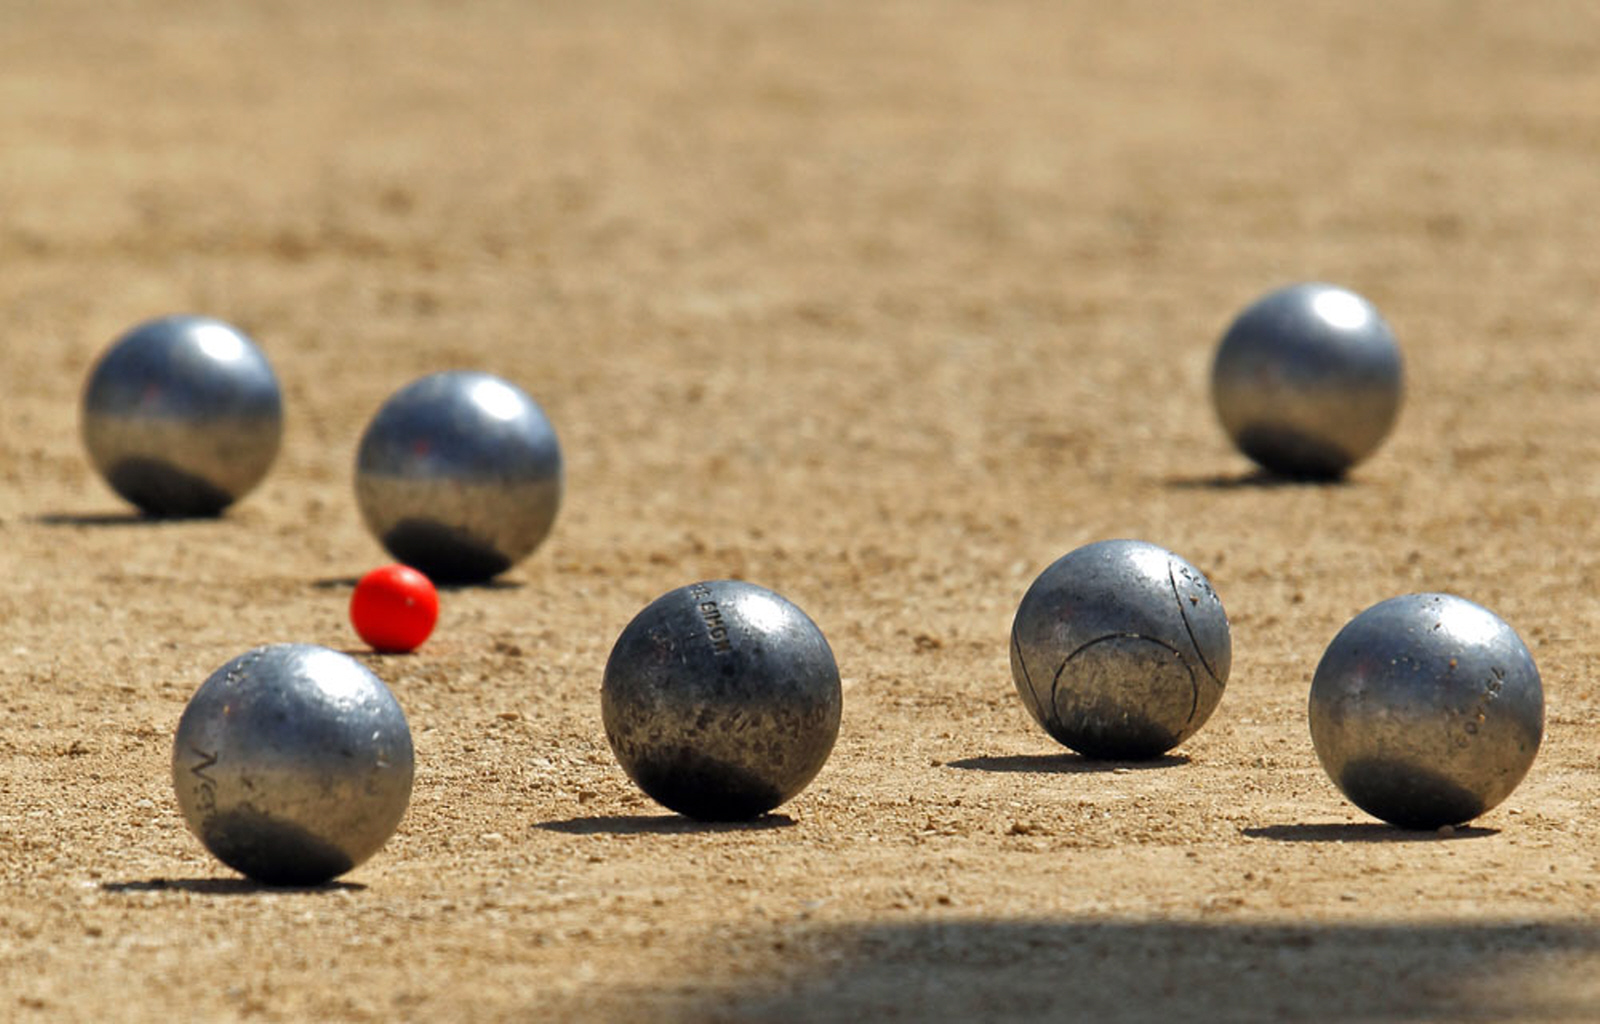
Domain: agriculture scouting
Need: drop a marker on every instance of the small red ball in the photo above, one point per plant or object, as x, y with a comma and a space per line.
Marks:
394, 608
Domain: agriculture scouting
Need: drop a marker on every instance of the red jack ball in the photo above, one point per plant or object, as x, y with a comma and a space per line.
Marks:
394, 608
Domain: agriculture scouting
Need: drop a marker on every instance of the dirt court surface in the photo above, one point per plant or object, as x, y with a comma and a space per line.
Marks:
885, 307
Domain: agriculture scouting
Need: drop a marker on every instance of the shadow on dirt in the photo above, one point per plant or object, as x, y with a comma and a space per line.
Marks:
349, 583
659, 824
111, 519
1362, 832
1063, 764
1122, 972
336, 583
1255, 480
367, 652
223, 886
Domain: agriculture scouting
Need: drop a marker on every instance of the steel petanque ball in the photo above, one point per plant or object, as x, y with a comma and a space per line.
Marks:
182, 416
1426, 710
721, 700
1308, 381
1120, 650
292, 764
459, 475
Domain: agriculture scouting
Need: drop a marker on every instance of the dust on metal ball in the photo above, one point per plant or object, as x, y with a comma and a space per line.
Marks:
721, 700
292, 764
1308, 380
1120, 650
1426, 710
459, 475
182, 416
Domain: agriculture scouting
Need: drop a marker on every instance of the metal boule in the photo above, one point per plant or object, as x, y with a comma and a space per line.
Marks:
1120, 650
292, 764
1307, 381
721, 700
459, 475
1426, 710
182, 416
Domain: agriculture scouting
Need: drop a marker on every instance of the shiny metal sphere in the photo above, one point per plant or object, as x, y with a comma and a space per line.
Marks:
182, 416
721, 700
292, 764
1120, 650
1426, 710
459, 475
1307, 381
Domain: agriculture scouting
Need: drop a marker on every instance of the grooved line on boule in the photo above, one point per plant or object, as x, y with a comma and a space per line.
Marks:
1016, 645
1194, 684
1178, 598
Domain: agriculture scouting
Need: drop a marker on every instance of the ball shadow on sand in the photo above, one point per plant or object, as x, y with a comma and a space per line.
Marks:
335, 583
349, 583
498, 583
224, 886
659, 824
1063, 764
1362, 832
131, 517
1255, 480
368, 652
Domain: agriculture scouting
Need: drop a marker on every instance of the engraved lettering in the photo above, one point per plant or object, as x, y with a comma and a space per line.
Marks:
206, 792
716, 629
206, 761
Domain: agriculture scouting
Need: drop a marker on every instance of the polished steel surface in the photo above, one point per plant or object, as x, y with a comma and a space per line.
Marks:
721, 700
1120, 650
292, 763
459, 475
182, 416
1426, 710
1308, 380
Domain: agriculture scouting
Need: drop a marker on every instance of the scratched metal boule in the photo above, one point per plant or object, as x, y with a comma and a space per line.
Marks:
1120, 650
1307, 381
292, 764
1426, 710
721, 700
459, 475
182, 416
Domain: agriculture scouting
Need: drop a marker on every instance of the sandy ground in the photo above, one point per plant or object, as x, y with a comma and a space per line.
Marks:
884, 306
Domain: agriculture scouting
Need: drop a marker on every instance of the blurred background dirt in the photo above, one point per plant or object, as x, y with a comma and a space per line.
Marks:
884, 306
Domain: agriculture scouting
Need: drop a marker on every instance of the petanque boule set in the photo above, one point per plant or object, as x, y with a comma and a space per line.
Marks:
721, 700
